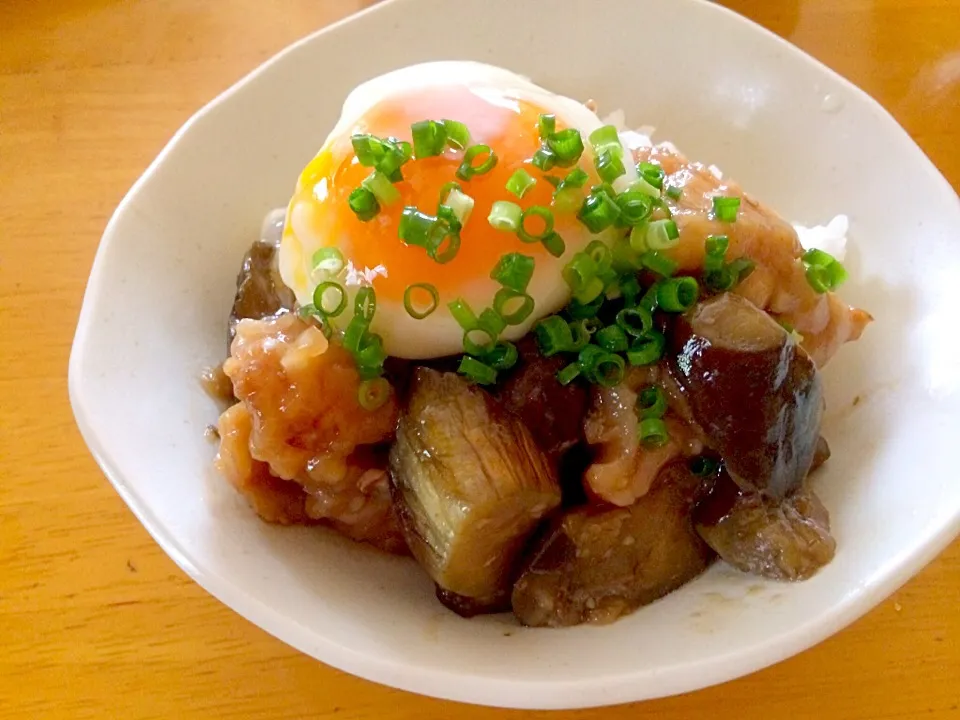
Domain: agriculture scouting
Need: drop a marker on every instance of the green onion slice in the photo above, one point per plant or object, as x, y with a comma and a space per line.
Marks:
553, 335
609, 166
704, 466
566, 145
502, 356
677, 294
520, 182
647, 349
544, 159
513, 306
599, 211
505, 215
472, 166
491, 322
606, 139
581, 335
546, 125
458, 136
635, 207
583, 311
674, 192
514, 271
329, 260
365, 304
725, 209
460, 204
662, 235
478, 341
415, 226
539, 212
554, 244
373, 393
415, 307
364, 204
569, 373
635, 321
353, 335
660, 264
612, 338
429, 138
381, 187
653, 432
463, 314
652, 173
477, 371
322, 300
601, 367
651, 402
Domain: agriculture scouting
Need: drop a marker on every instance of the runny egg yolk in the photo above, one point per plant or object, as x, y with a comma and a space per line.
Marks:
507, 124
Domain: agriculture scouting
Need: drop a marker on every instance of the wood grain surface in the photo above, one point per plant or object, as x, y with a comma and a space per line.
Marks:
95, 621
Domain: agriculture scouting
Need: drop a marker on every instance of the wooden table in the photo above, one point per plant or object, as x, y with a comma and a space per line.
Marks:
95, 621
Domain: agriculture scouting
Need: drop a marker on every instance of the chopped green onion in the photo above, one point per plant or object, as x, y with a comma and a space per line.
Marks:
704, 466
576, 178
513, 306
373, 393
329, 260
612, 338
502, 356
647, 349
662, 235
368, 149
491, 321
544, 159
580, 274
444, 242
514, 271
520, 182
429, 138
478, 341
566, 145
535, 211
461, 204
365, 304
638, 238
554, 244
674, 192
601, 255
652, 173
477, 371
635, 207
660, 264
641, 185
467, 168
546, 125
677, 294
601, 367
725, 209
364, 204
606, 139
609, 166
567, 199
415, 226
824, 272
591, 325
370, 354
505, 215
653, 432
581, 335
553, 180
635, 321
630, 290
582, 311
715, 248
320, 299
741, 269
553, 335
598, 212
458, 136
651, 403
420, 310
448, 188
568, 374
381, 187
462, 313
649, 300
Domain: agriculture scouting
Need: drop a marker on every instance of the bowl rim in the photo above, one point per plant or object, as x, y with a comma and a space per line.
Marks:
462, 686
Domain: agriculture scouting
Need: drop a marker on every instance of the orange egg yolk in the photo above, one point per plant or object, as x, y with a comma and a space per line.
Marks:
508, 125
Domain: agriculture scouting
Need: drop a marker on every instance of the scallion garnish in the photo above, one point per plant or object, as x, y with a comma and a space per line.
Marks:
326, 305
704, 466
609, 166
599, 211
520, 182
581, 335
824, 272
566, 145
715, 249
677, 294
635, 321
478, 341
554, 244
537, 212
461, 205
662, 235
653, 432
364, 204
429, 138
612, 338
415, 226
370, 354
635, 207
725, 209
415, 306
606, 139
373, 393
472, 166
646, 349
580, 275
652, 173
600, 366
381, 187
329, 260
630, 290
458, 136
553, 335
582, 311
674, 192
505, 215
491, 322
477, 371
546, 125
569, 373
544, 159
463, 314
365, 304
513, 306
356, 329
514, 271
651, 402
502, 356
660, 264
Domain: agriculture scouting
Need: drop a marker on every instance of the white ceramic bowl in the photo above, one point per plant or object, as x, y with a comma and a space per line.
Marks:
726, 92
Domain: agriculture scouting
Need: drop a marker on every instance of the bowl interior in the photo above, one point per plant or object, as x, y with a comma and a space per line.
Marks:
163, 282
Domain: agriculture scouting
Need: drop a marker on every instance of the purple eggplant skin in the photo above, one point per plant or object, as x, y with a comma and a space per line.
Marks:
260, 289
753, 390
596, 564
787, 539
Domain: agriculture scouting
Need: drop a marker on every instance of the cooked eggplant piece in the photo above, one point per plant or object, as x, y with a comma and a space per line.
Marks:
754, 391
783, 540
469, 607
470, 485
260, 290
551, 411
594, 565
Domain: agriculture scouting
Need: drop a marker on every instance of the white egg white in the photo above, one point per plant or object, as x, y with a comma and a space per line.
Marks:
438, 334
